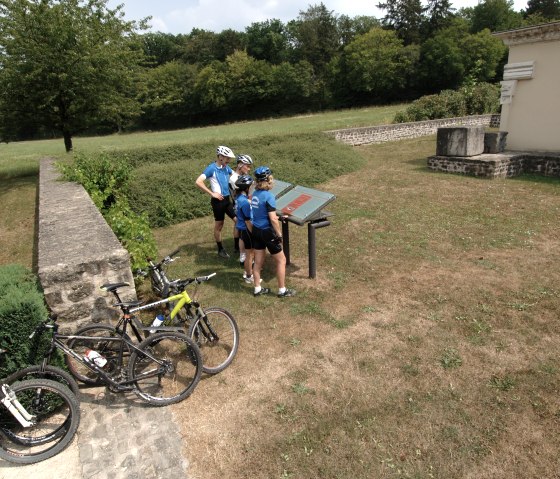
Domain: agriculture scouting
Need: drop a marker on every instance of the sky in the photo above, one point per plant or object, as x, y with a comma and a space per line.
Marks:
181, 16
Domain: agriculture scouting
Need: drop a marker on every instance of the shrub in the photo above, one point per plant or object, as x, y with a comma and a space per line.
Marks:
22, 308
105, 177
471, 99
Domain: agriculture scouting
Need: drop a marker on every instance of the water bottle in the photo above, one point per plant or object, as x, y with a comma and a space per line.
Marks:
160, 318
95, 357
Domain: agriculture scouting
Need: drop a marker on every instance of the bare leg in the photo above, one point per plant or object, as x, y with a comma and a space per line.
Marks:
280, 260
218, 225
248, 264
259, 261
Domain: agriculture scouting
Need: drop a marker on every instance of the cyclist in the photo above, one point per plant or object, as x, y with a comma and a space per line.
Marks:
243, 224
218, 174
267, 233
244, 164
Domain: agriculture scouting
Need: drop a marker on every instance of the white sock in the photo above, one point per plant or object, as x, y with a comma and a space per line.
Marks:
281, 290
257, 289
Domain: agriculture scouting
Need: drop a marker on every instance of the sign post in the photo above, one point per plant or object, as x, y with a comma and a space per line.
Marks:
301, 205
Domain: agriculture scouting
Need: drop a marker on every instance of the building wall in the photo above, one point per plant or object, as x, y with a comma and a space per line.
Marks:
532, 118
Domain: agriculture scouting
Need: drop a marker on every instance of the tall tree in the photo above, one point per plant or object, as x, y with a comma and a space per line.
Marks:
548, 9
496, 15
405, 17
315, 36
67, 65
268, 41
439, 15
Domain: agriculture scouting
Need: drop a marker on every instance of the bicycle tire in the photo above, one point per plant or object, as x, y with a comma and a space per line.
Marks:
184, 368
50, 372
217, 336
57, 412
108, 349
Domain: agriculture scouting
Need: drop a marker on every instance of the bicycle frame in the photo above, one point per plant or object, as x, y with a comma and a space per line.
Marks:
182, 299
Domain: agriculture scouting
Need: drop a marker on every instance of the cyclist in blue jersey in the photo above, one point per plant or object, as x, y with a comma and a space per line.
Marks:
218, 174
244, 164
267, 233
243, 224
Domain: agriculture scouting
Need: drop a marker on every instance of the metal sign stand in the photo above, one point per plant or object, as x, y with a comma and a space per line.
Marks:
301, 205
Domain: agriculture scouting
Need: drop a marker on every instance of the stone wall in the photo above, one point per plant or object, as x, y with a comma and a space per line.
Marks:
501, 165
77, 252
398, 131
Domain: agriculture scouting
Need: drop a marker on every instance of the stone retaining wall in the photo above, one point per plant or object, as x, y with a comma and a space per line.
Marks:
398, 131
501, 165
77, 252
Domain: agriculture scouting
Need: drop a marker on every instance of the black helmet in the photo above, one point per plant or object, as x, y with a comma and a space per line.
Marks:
262, 173
243, 182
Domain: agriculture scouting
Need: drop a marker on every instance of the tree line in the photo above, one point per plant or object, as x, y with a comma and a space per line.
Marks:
71, 67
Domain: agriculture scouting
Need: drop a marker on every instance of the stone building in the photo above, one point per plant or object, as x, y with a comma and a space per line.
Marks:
530, 88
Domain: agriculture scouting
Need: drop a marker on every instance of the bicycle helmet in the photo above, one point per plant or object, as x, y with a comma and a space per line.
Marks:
245, 159
262, 173
243, 182
225, 151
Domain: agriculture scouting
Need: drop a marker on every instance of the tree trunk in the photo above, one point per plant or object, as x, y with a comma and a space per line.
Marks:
67, 141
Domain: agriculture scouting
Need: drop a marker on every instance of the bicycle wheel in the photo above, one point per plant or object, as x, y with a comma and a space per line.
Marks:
109, 349
57, 415
173, 376
52, 373
217, 336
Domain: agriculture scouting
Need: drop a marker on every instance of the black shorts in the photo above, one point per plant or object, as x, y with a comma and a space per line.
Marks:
247, 239
267, 239
221, 208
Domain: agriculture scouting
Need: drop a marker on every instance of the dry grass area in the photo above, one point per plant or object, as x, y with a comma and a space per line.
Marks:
427, 347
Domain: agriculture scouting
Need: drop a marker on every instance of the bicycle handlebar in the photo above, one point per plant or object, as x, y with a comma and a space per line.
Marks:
49, 323
181, 283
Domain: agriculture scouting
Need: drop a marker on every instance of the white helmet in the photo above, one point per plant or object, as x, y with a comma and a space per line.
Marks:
245, 159
224, 151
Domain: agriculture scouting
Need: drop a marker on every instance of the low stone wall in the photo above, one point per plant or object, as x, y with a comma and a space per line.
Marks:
399, 131
77, 252
501, 165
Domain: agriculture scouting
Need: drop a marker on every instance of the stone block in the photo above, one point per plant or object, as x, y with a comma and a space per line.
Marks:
495, 142
460, 141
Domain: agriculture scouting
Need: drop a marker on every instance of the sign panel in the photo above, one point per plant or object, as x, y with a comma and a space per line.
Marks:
280, 187
301, 204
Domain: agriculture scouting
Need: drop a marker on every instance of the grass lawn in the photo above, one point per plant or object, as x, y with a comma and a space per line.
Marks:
427, 346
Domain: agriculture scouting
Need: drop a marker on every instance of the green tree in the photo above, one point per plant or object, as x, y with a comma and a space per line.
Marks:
375, 66
166, 94
349, 28
199, 46
66, 65
405, 17
268, 41
314, 36
496, 15
160, 48
547, 9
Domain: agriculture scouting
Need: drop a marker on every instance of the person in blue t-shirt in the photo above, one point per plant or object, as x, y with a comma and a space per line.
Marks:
267, 233
243, 224
218, 174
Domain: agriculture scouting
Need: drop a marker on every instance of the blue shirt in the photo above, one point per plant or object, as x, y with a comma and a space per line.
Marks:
262, 203
218, 177
242, 212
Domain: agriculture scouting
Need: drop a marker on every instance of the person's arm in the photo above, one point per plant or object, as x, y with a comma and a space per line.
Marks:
275, 223
200, 183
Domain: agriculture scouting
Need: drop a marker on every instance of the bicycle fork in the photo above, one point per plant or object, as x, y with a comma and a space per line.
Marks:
10, 401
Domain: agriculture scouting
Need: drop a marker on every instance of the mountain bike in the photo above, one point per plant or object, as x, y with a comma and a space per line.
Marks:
38, 419
214, 329
162, 369
45, 370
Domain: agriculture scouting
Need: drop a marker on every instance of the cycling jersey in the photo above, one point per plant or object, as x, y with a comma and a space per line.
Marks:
262, 203
218, 176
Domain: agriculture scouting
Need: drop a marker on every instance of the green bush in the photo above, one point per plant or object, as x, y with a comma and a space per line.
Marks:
105, 177
471, 99
22, 308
